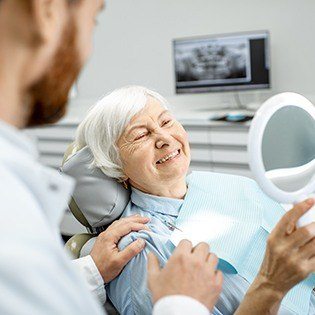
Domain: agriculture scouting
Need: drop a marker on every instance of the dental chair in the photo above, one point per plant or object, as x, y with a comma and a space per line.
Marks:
96, 202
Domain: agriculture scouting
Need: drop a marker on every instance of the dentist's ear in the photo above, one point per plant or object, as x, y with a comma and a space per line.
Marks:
50, 17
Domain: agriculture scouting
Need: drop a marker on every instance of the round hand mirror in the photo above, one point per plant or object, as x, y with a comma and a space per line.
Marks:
282, 149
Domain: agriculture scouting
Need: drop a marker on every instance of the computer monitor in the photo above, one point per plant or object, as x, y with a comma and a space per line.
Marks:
230, 62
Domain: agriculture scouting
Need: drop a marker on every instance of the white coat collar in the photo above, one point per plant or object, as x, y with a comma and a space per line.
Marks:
17, 138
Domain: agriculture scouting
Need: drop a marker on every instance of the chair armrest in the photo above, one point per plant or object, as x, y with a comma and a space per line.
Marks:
76, 242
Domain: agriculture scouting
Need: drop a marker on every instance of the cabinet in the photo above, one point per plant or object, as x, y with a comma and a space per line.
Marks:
218, 146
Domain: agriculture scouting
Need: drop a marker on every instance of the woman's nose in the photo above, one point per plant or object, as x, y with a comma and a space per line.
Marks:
163, 139
160, 144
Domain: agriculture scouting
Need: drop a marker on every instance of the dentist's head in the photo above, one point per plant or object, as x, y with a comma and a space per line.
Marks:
134, 137
44, 45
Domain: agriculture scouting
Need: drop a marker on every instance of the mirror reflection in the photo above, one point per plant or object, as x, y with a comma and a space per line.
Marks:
288, 148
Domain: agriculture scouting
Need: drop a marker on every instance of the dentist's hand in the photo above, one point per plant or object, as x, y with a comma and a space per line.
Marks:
105, 253
190, 271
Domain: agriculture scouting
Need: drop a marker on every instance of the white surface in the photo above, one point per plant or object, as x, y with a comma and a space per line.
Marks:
229, 137
255, 138
229, 156
94, 280
179, 305
133, 45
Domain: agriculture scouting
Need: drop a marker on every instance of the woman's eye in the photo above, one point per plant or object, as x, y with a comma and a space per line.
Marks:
141, 136
166, 122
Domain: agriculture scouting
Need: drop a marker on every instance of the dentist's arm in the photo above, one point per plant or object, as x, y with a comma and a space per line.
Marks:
188, 284
289, 259
106, 261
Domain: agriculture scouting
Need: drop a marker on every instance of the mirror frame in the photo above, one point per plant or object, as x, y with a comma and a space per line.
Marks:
255, 137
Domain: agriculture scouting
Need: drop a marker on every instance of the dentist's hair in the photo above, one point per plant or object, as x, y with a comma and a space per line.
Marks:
105, 123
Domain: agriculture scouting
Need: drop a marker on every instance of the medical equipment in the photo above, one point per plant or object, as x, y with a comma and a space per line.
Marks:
281, 148
228, 62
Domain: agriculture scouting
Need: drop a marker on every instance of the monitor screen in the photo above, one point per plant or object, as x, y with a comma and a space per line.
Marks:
222, 63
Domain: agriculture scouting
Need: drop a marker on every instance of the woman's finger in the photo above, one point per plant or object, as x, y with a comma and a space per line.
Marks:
292, 216
302, 235
308, 250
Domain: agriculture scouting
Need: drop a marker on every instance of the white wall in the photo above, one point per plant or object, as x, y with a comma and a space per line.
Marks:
133, 44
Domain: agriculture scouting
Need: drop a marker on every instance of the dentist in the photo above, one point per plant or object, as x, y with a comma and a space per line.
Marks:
43, 46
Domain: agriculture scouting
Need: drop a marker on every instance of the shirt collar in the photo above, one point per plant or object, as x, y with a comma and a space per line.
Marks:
150, 203
18, 139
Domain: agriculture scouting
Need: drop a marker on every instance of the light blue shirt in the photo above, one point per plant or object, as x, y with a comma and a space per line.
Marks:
129, 292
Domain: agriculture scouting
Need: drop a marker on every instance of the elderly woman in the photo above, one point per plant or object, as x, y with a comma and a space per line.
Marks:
136, 139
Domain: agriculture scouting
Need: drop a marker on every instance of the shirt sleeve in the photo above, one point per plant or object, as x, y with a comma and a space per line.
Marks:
94, 280
179, 305
129, 292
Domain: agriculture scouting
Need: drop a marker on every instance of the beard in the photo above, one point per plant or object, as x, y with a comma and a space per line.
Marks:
48, 97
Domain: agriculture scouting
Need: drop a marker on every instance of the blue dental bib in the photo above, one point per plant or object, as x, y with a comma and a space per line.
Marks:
235, 217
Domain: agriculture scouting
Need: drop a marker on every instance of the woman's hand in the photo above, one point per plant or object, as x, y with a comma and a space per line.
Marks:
290, 253
190, 271
105, 253
289, 259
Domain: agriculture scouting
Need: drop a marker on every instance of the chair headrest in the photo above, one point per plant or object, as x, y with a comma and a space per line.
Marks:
100, 198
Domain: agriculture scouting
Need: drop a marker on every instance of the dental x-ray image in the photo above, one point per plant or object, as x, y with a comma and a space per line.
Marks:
212, 61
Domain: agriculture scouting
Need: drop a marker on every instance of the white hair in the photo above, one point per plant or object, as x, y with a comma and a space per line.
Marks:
105, 123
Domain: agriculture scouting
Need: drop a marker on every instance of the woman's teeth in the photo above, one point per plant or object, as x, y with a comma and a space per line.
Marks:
168, 157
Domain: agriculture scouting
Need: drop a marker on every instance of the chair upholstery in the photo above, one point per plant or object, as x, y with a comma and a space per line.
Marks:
97, 199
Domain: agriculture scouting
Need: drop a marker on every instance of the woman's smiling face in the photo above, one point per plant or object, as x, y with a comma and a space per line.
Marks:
154, 149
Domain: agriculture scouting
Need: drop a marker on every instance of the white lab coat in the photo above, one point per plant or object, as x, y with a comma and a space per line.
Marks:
35, 275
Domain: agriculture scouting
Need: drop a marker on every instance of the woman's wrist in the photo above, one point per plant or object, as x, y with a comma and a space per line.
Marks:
261, 298
266, 287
